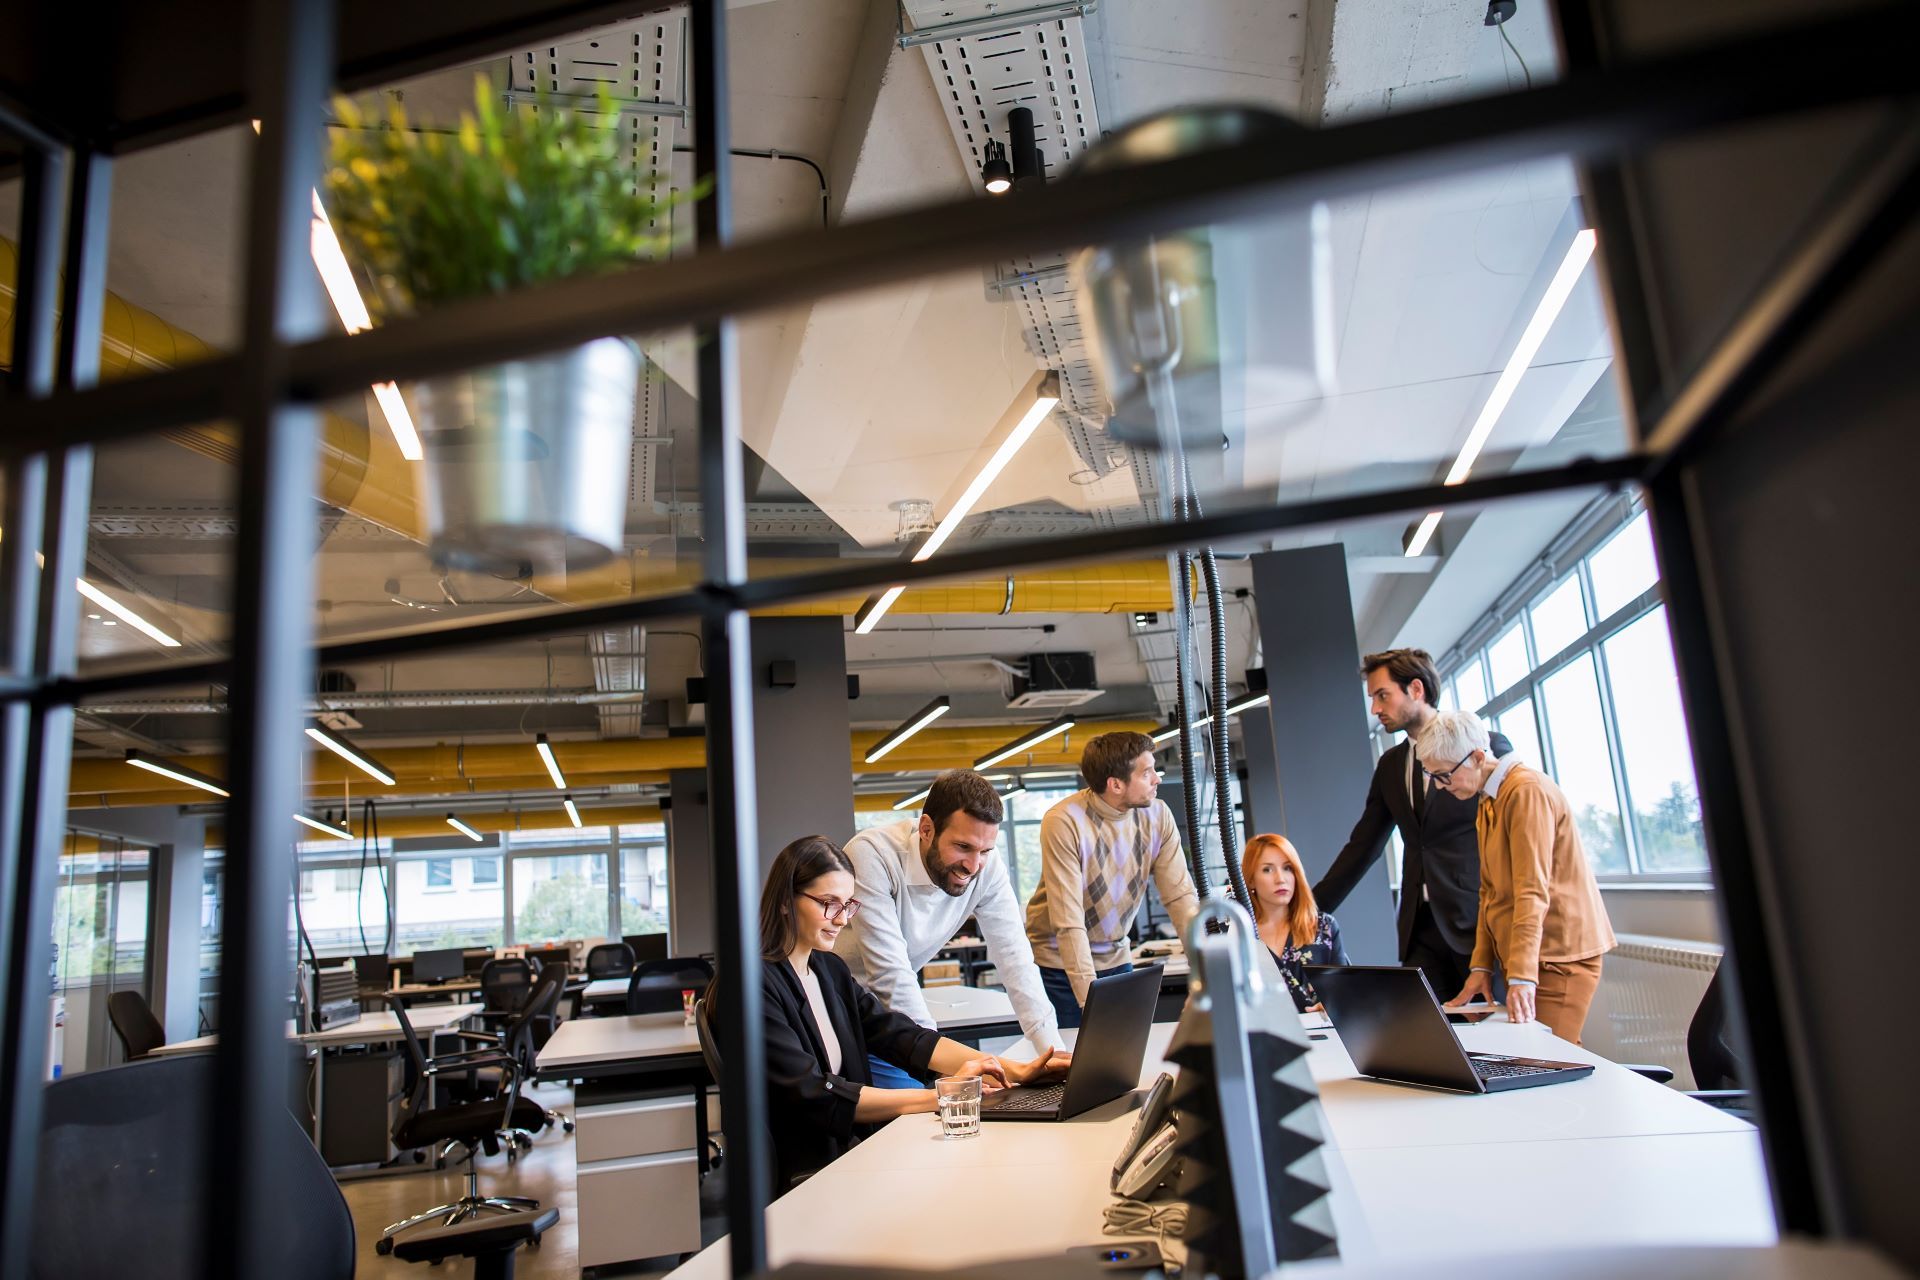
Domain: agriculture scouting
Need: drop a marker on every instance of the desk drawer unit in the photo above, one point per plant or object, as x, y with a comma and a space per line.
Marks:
638, 1177
642, 1127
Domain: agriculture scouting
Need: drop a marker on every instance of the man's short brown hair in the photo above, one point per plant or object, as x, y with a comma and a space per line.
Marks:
962, 791
1111, 755
1404, 666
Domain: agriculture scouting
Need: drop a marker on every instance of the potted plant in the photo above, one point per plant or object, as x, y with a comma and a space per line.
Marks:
527, 462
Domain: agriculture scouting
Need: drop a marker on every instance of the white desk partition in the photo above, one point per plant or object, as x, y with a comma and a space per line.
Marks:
1611, 1159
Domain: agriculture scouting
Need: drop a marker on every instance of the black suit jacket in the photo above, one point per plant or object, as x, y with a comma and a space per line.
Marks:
809, 1110
1442, 851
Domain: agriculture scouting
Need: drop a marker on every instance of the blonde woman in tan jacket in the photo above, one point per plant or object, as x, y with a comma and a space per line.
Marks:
1542, 923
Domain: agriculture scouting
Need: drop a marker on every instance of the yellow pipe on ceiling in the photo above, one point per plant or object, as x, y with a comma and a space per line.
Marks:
99, 783
406, 826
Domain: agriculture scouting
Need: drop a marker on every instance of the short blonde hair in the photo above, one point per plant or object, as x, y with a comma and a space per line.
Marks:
1451, 736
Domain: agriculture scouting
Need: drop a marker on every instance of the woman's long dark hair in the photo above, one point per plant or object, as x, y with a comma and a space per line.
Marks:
797, 866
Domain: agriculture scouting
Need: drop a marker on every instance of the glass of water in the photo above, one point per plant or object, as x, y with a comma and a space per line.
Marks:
959, 1099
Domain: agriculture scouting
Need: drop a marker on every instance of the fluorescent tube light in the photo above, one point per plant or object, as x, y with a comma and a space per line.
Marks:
1029, 409
1234, 708
571, 811
1026, 742
350, 753
914, 724
464, 829
125, 614
1559, 289
179, 773
337, 277
913, 799
338, 833
545, 749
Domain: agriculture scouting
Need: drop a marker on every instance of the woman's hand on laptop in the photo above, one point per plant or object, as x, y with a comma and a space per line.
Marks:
992, 1072
1051, 1065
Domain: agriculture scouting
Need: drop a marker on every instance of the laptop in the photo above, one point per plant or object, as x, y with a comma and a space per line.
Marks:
1394, 1029
1106, 1057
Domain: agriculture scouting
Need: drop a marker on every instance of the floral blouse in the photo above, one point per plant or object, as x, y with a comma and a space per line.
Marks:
1325, 948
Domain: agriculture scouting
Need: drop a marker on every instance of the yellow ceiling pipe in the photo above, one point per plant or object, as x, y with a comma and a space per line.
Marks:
100, 783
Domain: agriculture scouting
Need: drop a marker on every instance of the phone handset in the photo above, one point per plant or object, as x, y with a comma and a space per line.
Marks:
1147, 1157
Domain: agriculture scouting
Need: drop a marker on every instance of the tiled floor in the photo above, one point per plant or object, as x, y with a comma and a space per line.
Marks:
546, 1173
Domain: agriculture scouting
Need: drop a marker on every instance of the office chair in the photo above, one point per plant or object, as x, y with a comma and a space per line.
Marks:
655, 986
123, 1183
504, 988
1717, 1070
476, 1124
610, 960
522, 1039
139, 1032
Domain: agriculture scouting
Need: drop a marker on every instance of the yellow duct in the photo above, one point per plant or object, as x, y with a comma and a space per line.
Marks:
496, 767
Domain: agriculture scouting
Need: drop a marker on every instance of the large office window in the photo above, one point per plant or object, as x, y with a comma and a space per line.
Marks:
643, 879
559, 896
1580, 676
447, 898
1020, 838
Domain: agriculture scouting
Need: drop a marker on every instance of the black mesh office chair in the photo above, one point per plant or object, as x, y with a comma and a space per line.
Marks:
522, 1037
656, 985
140, 1033
504, 988
610, 960
123, 1181
475, 1123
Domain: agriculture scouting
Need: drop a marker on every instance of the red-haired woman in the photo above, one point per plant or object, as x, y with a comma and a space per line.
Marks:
1295, 932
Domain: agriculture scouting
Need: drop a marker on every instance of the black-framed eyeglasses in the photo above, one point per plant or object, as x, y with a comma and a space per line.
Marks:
836, 910
1445, 776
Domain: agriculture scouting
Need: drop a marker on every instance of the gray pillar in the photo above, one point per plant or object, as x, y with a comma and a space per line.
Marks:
1322, 761
689, 868
1261, 790
801, 728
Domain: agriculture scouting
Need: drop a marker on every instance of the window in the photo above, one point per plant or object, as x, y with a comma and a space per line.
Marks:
1020, 838
559, 897
1653, 745
1583, 766
426, 918
643, 888
1470, 687
1522, 731
1623, 568
1559, 618
1507, 656
440, 873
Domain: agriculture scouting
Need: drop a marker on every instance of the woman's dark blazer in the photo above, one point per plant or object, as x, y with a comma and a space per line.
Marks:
809, 1111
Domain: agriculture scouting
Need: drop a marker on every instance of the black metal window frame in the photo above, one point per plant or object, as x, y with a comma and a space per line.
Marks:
56, 415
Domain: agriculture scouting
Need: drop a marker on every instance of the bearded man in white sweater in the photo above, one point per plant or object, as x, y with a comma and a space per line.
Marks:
917, 882
1097, 848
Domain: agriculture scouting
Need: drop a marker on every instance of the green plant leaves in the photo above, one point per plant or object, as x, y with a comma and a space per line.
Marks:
512, 197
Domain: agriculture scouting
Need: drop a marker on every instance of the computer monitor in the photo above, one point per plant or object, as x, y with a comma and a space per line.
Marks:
439, 966
372, 972
545, 956
646, 946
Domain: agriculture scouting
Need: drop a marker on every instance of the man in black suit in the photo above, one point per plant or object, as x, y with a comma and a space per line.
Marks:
1440, 867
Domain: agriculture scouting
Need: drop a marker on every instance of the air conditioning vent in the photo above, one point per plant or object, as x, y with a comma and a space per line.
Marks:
1054, 680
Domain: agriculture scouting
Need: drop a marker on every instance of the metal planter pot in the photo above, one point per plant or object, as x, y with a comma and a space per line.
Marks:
527, 462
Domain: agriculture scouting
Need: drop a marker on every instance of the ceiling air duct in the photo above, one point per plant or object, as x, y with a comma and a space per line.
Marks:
1215, 332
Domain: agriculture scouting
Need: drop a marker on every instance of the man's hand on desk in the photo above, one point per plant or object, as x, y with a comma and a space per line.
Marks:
1520, 1001
1479, 983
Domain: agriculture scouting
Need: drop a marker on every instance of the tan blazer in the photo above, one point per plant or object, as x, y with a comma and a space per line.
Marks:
1538, 898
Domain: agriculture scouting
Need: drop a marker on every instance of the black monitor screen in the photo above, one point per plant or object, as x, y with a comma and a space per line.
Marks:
371, 971
439, 966
647, 946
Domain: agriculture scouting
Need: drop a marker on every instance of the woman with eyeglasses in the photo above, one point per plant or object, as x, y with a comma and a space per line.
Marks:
820, 1024
1542, 922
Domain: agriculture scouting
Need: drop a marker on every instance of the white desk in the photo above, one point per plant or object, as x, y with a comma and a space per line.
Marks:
971, 1012
1608, 1160
368, 1028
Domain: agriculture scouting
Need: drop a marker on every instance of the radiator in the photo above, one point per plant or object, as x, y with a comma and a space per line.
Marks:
1649, 988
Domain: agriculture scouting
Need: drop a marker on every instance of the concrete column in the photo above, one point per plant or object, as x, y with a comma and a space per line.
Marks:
801, 727
1321, 760
1264, 812
689, 865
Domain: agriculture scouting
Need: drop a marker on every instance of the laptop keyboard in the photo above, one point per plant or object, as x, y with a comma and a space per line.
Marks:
1043, 1097
1495, 1070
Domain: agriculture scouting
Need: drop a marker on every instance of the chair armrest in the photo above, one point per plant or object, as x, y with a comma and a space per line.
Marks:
481, 1037
467, 1061
1657, 1074
1737, 1102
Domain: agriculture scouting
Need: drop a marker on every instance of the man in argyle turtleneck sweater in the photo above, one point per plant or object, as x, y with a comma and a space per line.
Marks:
1097, 848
